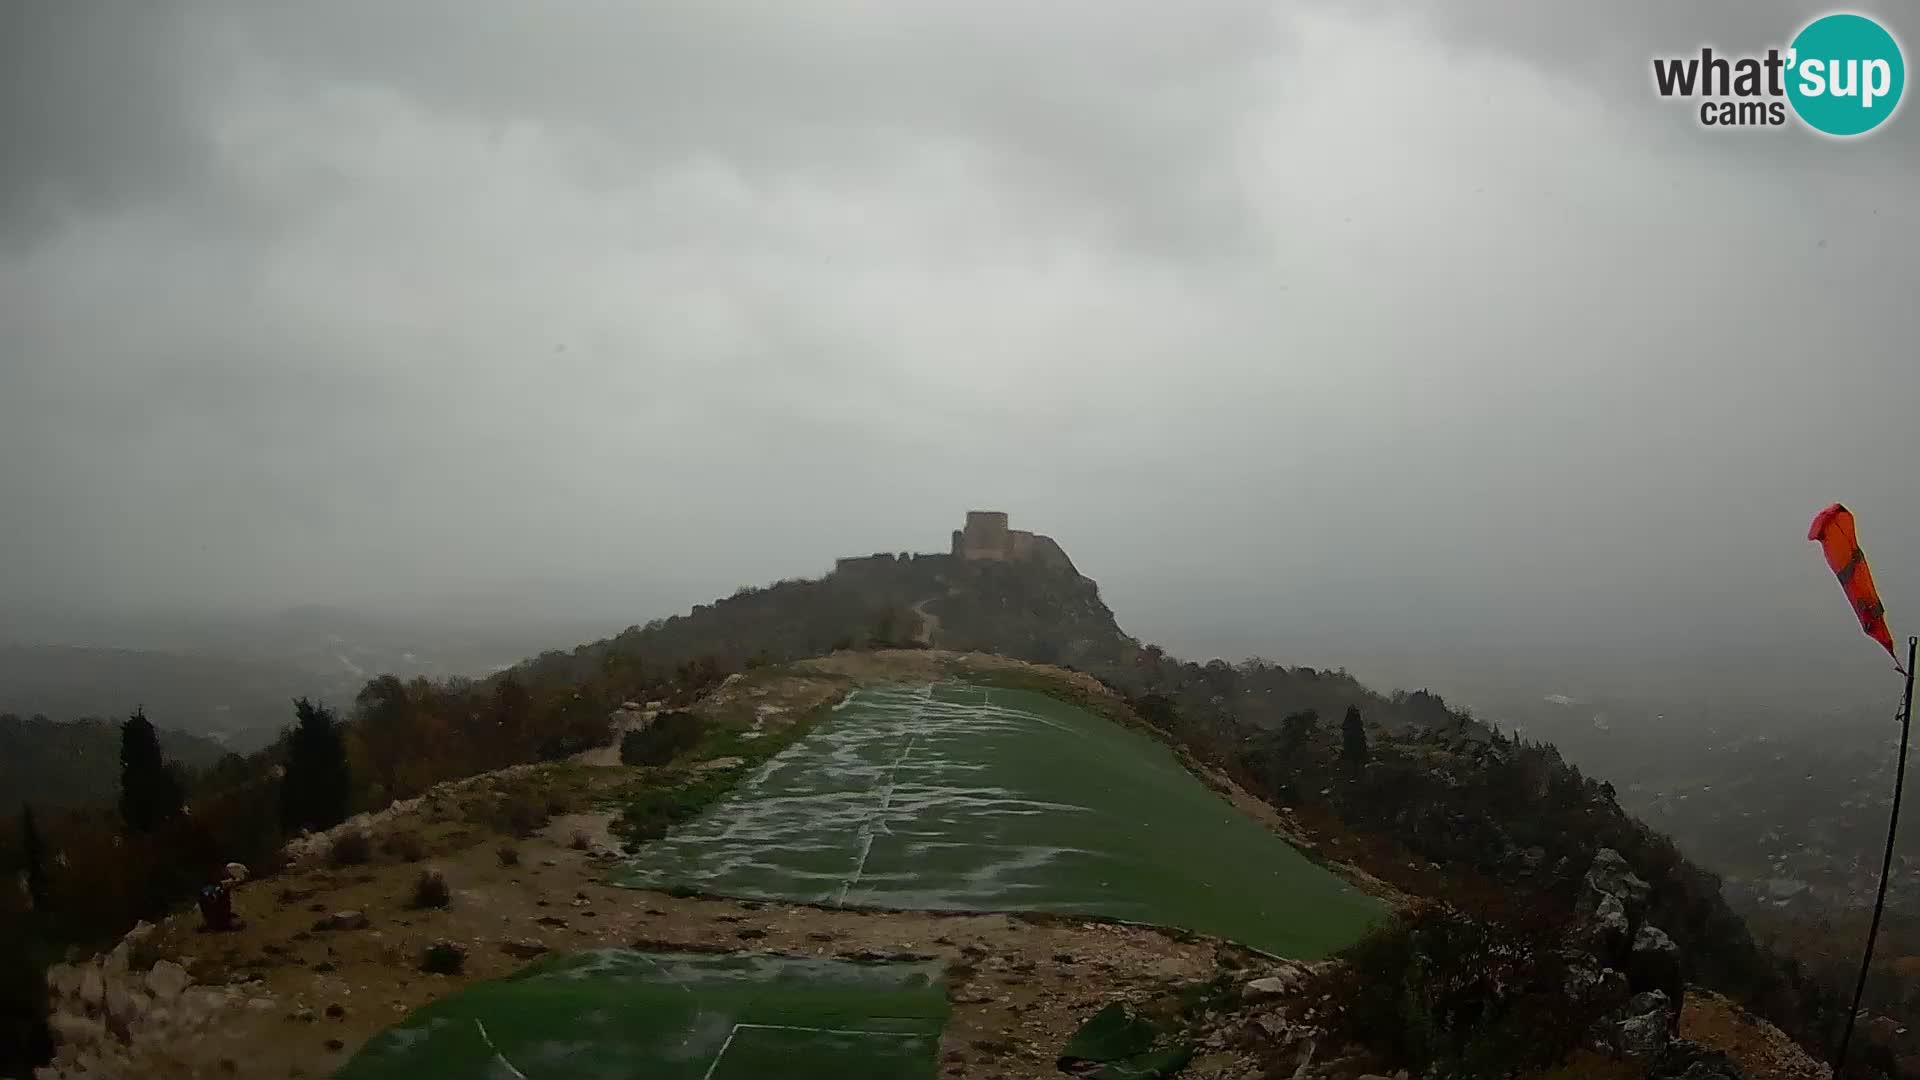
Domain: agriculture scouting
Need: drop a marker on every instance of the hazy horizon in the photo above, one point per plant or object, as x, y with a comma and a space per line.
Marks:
1428, 343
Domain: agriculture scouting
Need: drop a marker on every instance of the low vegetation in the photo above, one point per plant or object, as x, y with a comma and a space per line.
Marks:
1445, 992
404, 845
669, 736
350, 848
430, 891
651, 806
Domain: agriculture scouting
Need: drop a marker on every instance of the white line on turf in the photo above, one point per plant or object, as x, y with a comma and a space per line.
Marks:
715, 1063
834, 1031
497, 1055
737, 1028
869, 827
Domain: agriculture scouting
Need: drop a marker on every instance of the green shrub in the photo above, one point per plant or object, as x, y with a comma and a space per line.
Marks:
650, 814
1442, 990
511, 813
669, 736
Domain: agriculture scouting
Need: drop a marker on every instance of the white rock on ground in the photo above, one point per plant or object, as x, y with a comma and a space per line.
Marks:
167, 980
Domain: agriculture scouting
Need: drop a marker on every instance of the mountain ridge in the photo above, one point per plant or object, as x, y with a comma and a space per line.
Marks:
1497, 831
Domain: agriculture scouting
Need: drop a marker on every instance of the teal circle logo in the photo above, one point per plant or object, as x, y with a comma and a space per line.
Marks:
1845, 74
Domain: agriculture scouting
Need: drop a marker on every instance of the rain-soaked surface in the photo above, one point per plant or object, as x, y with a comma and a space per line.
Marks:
673, 1016
959, 797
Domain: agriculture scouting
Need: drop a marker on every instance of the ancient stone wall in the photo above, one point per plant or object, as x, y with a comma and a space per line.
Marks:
879, 561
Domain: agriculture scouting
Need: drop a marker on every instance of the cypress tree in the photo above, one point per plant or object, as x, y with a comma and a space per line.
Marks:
149, 794
1353, 737
315, 791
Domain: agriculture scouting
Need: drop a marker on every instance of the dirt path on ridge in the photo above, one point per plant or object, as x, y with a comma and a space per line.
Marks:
929, 622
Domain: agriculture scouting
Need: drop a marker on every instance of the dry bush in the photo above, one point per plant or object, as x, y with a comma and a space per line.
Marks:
350, 848
430, 890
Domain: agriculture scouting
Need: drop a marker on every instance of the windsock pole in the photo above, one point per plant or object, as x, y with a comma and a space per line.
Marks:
1886, 861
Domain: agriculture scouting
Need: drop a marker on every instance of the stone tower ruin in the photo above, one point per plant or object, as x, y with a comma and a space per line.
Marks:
986, 536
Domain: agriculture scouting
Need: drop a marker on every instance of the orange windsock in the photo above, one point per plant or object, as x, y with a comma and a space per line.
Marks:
1833, 528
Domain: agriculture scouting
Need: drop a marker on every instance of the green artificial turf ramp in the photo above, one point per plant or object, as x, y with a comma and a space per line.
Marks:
620, 1014
960, 797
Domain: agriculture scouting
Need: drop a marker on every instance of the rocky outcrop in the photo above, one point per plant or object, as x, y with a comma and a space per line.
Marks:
1643, 1029
1614, 953
105, 1012
312, 846
343, 920
1610, 876
1654, 963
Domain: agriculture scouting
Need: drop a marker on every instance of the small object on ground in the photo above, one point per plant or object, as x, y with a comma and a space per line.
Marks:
1116, 1043
343, 920
216, 908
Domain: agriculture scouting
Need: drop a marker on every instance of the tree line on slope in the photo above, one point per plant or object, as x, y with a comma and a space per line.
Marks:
88, 873
71, 762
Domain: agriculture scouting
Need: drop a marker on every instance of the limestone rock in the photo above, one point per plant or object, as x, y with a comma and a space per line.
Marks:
1611, 876
125, 1005
523, 950
63, 981
343, 920
73, 1029
167, 980
1645, 1030
93, 987
1655, 963
1608, 924
1272, 986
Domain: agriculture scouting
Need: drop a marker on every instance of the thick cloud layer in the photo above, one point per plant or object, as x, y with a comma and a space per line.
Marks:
1398, 335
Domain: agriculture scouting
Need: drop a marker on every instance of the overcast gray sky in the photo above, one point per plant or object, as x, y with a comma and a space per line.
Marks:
1340, 332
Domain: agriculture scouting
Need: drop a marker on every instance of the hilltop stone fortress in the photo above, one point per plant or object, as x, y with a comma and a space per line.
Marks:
985, 537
